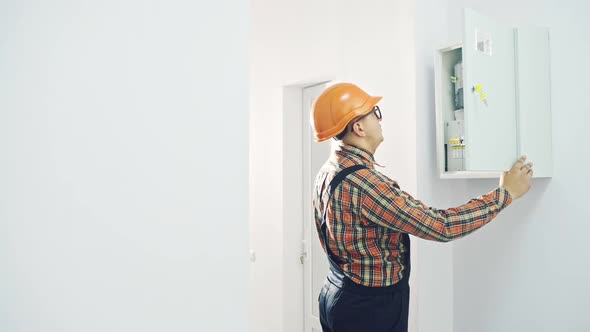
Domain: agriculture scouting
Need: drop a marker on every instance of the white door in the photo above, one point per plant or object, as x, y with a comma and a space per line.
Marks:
315, 264
490, 122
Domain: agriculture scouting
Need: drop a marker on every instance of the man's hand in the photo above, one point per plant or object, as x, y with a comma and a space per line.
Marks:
518, 179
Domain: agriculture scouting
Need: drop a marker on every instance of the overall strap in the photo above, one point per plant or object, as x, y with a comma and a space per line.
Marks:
338, 178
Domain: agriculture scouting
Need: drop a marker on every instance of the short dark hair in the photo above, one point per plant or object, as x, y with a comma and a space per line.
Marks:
343, 133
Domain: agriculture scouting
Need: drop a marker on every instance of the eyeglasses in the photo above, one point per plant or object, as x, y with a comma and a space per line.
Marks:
375, 110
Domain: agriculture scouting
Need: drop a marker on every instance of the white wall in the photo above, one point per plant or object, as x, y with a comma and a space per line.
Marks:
370, 43
526, 270
123, 166
435, 291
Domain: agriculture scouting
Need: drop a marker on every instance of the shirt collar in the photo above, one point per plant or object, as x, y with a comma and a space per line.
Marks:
362, 154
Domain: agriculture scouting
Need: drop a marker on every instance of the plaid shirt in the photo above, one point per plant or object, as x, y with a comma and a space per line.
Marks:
368, 213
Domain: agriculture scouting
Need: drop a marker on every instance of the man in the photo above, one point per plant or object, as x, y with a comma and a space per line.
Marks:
363, 218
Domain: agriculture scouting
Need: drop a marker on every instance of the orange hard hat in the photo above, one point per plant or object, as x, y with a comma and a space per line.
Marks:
334, 109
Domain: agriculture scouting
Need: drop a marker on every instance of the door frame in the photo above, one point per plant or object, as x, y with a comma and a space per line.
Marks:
293, 319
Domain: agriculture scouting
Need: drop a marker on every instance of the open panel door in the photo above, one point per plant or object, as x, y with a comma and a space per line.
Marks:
490, 110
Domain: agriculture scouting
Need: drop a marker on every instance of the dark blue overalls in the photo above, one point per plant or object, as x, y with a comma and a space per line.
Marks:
346, 306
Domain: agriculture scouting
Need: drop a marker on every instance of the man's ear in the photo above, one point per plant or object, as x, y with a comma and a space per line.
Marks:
358, 129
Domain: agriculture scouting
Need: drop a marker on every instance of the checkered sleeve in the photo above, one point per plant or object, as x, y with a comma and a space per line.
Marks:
388, 206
